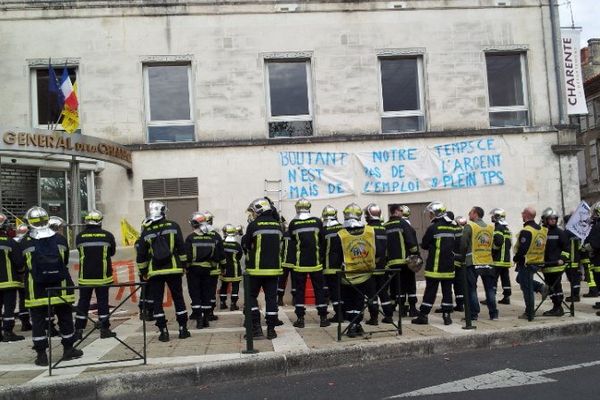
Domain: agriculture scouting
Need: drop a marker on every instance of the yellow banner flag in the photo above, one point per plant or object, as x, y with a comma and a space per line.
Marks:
128, 233
70, 120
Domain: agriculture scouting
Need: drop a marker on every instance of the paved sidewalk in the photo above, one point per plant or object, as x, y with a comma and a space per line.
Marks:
223, 342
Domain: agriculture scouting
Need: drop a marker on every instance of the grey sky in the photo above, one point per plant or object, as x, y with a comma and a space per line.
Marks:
586, 14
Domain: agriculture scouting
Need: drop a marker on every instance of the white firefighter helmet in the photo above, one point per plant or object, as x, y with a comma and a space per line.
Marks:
197, 219
436, 209
209, 217
38, 220
240, 230
329, 213
352, 216
405, 210
257, 207
596, 210
3, 222
303, 206
56, 223
156, 210
549, 213
372, 212
498, 214
94, 217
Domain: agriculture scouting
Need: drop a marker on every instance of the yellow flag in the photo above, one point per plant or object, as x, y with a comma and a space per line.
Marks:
128, 233
70, 121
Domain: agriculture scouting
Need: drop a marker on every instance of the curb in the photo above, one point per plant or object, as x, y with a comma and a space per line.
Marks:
110, 386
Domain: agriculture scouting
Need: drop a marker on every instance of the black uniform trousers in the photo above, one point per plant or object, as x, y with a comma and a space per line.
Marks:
553, 280
83, 306
574, 277
146, 301
408, 286
458, 286
23, 312
269, 286
353, 297
384, 296
331, 280
8, 303
504, 274
235, 290
214, 282
39, 324
157, 288
317, 283
431, 287
199, 286
282, 283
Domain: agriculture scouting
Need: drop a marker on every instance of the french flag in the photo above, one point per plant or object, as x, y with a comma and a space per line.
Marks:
66, 87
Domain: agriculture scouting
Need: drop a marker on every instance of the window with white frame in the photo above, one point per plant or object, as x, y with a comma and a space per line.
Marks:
46, 105
507, 89
289, 98
402, 99
168, 103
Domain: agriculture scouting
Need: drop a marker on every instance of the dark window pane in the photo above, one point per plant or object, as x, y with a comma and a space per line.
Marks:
53, 193
169, 94
48, 109
171, 134
400, 84
402, 124
288, 88
510, 118
505, 83
290, 128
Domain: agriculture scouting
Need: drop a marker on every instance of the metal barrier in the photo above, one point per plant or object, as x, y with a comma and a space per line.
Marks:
391, 272
96, 326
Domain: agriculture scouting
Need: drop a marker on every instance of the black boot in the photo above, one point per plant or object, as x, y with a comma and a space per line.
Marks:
164, 335
446, 318
70, 353
25, 324
278, 322
257, 332
106, 333
334, 319
413, 312
205, 320
388, 319
42, 358
299, 323
420, 320
403, 310
78, 334
10, 336
352, 331
194, 314
505, 300
271, 334
199, 323
459, 307
556, 311
373, 320
324, 321
280, 301
234, 306
573, 298
592, 293
223, 305
183, 332
212, 316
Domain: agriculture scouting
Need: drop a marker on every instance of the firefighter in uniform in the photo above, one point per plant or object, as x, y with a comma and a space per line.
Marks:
22, 230
556, 255
231, 267
401, 243
356, 253
372, 213
288, 260
501, 253
529, 257
331, 227
161, 259
11, 270
572, 268
592, 246
146, 304
262, 243
306, 234
215, 271
203, 250
46, 256
96, 247
476, 253
442, 241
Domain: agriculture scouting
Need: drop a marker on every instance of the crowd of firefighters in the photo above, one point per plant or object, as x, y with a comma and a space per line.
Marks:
348, 261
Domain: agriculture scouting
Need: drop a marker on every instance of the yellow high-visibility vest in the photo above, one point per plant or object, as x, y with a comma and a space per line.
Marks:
482, 239
359, 254
537, 248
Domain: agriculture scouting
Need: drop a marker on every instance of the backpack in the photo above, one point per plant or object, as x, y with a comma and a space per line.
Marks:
161, 250
47, 264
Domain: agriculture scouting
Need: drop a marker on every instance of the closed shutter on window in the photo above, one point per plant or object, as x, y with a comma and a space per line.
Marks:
170, 188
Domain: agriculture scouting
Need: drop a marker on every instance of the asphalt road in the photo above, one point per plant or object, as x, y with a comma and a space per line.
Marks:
556, 370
